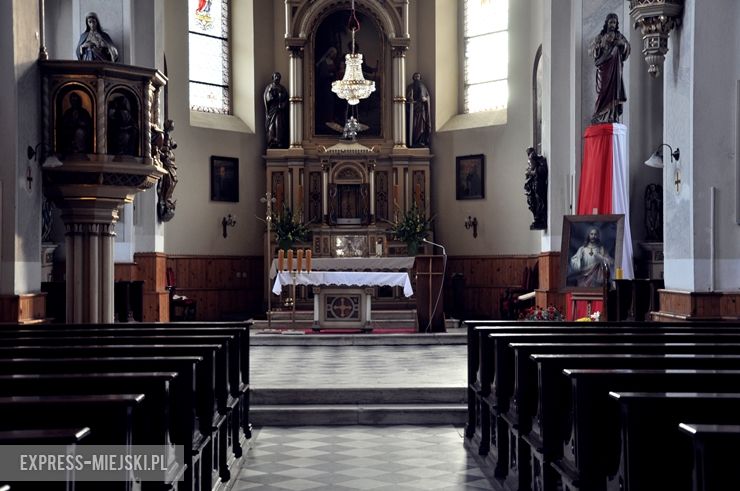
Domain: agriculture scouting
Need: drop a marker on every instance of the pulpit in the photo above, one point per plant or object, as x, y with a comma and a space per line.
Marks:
430, 272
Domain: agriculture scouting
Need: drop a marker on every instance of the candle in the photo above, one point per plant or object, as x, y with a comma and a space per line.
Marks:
308, 260
379, 248
281, 256
619, 273
290, 259
299, 266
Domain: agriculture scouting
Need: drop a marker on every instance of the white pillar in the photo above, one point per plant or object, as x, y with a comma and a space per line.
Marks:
296, 97
399, 97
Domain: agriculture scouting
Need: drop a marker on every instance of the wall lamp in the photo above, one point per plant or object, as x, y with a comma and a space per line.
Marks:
228, 221
472, 223
656, 161
46, 161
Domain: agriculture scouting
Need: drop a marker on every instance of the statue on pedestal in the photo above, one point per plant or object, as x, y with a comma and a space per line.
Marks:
535, 187
609, 49
95, 44
419, 114
276, 113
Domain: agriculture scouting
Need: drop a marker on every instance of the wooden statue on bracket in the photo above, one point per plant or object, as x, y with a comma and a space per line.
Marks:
535, 188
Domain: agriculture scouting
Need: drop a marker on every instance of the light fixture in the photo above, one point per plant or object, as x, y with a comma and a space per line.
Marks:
46, 161
472, 222
656, 159
353, 85
228, 221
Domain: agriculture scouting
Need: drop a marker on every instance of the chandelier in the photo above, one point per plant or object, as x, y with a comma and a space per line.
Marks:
353, 85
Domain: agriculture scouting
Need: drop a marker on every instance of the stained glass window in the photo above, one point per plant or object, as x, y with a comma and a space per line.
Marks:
486, 62
210, 75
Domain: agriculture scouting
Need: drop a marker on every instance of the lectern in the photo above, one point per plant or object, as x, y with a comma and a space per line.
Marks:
429, 295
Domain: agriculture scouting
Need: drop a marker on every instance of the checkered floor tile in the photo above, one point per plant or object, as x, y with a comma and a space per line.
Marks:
360, 457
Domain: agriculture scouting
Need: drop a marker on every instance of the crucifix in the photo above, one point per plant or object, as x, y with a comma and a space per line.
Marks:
677, 180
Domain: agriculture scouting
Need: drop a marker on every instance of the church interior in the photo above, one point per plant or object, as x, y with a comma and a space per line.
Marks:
206, 204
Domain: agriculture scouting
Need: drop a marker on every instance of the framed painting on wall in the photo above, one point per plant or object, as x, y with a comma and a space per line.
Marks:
590, 242
224, 179
470, 177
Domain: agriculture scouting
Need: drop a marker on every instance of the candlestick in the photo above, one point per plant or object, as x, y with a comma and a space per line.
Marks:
308, 260
299, 265
290, 259
281, 257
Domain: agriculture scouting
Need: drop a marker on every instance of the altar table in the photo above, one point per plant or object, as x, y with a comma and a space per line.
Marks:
383, 263
348, 304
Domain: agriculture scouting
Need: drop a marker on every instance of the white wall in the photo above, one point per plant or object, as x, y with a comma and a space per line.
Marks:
196, 227
503, 216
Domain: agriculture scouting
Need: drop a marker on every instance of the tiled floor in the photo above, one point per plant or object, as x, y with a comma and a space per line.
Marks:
360, 457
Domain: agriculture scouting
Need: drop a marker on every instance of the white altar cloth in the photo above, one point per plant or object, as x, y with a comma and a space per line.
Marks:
344, 278
396, 263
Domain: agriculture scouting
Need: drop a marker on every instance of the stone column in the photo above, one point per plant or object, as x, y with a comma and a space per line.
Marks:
90, 265
296, 97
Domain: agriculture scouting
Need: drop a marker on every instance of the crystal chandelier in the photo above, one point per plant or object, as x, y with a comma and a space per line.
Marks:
353, 85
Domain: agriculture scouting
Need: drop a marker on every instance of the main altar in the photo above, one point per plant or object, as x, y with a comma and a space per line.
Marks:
348, 191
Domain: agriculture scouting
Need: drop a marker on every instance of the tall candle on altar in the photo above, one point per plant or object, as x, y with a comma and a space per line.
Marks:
309, 252
299, 265
281, 257
290, 259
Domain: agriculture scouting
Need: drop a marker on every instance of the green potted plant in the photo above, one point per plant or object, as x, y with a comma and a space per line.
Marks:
412, 228
288, 230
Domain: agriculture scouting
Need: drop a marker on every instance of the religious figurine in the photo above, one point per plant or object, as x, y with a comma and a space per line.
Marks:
419, 113
276, 113
164, 145
609, 49
95, 44
76, 128
535, 187
654, 212
123, 130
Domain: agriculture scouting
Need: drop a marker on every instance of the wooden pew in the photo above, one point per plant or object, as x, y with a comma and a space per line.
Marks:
655, 455
228, 386
212, 423
498, 365
238, 349
482, 357
545, 438
517, 422
591, 442
34, 437
715, 456
112, 418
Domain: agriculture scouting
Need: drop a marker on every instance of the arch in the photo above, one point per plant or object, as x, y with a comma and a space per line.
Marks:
349, 173
310, 14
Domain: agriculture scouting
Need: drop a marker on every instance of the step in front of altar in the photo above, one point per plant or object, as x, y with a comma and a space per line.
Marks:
366, 406
402, 320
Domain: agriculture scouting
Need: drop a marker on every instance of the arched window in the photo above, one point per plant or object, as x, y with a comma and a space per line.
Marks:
486, 55
210, 56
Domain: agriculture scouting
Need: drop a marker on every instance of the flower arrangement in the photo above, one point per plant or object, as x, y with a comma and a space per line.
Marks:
412, 228
550, 313
287, 229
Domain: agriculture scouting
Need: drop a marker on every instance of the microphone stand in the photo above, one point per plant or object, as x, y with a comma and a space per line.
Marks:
441, 283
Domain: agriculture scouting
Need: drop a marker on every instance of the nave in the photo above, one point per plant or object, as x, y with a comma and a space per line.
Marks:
410, 456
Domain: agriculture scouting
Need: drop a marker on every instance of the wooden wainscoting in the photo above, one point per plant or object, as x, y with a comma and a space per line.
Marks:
26, 308
695, 306
485, 279
222, 286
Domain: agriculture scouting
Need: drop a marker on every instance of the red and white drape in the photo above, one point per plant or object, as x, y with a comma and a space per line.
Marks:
604, 184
